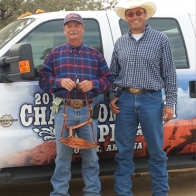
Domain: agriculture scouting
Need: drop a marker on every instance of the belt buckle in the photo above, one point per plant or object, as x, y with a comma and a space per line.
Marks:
76, 104
134, 91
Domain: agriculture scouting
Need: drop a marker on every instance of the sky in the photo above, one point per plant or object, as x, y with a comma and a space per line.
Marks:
173, 4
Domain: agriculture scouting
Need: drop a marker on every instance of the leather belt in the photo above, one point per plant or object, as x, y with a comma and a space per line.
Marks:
76, 103
135, 91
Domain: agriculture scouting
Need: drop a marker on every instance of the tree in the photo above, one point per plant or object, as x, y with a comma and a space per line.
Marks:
11, 9
8, 11
69, 5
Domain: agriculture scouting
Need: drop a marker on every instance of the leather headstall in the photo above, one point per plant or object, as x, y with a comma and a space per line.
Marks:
75, 142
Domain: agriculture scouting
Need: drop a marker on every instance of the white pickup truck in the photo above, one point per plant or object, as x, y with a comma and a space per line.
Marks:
26, 121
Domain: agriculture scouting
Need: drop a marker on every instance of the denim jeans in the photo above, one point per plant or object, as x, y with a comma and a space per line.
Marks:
90, 167
145, 108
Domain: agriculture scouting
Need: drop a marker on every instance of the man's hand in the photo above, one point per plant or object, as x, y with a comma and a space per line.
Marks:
113, 106
85, 86
68, 84
168, 114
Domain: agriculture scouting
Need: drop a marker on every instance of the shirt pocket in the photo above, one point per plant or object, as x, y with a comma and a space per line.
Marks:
125, 56
150, 53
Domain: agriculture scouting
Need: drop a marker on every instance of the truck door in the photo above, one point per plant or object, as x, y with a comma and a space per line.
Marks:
26, 120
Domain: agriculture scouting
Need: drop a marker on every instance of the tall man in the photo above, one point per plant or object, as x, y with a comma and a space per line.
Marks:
141, 66
64, 66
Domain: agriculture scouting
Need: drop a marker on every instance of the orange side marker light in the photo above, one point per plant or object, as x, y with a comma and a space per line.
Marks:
24, 66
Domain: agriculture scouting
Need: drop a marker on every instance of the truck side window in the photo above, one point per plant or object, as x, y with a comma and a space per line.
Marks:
92, 35
172, 29
50, 34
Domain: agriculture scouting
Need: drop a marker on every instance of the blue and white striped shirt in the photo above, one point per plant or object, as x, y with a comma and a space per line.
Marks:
144, 64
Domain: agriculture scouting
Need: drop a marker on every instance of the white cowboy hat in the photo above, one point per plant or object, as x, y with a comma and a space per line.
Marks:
130, 4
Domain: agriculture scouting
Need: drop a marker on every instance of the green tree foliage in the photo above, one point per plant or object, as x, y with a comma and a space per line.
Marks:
11, 9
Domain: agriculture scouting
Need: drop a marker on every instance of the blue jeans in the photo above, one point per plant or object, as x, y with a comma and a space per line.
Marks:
90, 167
145, 108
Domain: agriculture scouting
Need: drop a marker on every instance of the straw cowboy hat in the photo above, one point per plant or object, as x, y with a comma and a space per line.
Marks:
130, 4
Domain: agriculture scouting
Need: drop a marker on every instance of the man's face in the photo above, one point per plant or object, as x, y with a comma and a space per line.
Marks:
136, 19
73, 31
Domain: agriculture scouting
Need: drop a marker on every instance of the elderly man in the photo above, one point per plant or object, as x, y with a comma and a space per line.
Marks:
141, 66
70, 72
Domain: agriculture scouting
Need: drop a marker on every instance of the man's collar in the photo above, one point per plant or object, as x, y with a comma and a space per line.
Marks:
71, 48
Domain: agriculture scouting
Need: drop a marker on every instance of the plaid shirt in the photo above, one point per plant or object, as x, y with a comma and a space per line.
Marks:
83, 63
144, 64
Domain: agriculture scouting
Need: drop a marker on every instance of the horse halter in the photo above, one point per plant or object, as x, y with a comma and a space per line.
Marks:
75, 142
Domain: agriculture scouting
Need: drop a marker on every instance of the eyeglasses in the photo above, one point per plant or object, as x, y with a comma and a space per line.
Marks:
137, 13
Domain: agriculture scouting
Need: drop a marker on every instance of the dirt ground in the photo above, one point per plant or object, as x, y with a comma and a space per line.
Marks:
182, 183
